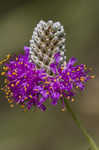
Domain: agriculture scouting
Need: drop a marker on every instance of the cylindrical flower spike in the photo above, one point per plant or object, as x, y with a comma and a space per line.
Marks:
48, 38
42, 73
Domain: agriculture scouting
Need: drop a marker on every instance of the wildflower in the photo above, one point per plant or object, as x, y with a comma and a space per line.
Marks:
42, 73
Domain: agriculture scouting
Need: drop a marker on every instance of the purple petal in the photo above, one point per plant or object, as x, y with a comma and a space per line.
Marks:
57, 57
71, 62
53, 68
26, 49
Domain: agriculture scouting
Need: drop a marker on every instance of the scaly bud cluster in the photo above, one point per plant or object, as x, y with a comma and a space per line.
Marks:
48, 38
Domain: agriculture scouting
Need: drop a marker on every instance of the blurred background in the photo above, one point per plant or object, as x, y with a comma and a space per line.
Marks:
53, 129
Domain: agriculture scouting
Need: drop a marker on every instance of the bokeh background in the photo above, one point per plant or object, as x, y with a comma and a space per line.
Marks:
53, 129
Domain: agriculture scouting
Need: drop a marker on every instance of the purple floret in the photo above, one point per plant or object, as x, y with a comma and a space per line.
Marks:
32, 87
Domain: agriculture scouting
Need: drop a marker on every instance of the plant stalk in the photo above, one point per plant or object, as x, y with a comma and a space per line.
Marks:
78, 123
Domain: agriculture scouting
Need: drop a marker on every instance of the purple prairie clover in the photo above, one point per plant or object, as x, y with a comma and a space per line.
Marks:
30, 81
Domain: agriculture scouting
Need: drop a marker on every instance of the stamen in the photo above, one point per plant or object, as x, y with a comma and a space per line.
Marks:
25, 98
12, 105
10, 101
63, 109
60, 77
36, 90
82, 79
20, 96
77, 87
72, 99
62, 68
16, 58
92, 77
30, 96
68, 73
17, 83
46, 82
22, 106
2, 73
47, 92
12, 85
5, 68
14, 73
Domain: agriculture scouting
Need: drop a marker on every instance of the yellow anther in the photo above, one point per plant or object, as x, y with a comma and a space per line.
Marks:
11, 94
15, 70
25, 110
8, 90
70, 79
30, 96
25, 98
5, 68
44, 77
43, 86
21, 62
10, 75
14, 73
19, 96
62, 68
10, 101
1, 62
25, 88
2, 73
16, 58
12, 105
55, 80
68, 73
46, 82
5, 59
72, 99
5, 81
60, 77
85, 67
27, 85
24, 76
92, 77
61, 95
82, 79
47, 92
35, 89
77, 87
78, 69
7, 96
17, 82
7, 93
8, 56
12, 85
63, 109
22, 106
50, 87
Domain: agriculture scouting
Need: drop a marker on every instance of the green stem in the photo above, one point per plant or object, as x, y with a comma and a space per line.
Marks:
78, 123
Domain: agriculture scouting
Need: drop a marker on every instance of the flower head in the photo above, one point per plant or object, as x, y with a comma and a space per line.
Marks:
31, 84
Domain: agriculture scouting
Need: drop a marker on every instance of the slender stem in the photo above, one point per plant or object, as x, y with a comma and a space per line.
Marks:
78, 123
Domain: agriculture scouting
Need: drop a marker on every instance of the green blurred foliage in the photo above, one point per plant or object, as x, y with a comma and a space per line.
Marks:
53, 129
